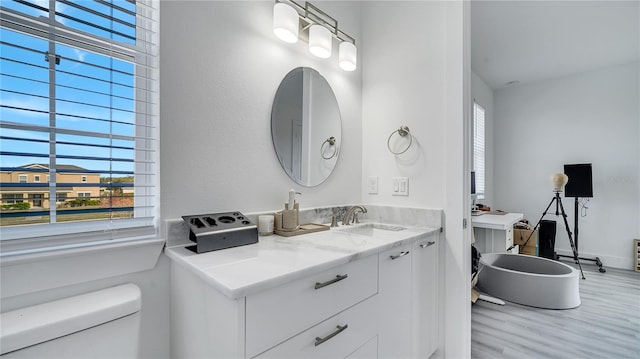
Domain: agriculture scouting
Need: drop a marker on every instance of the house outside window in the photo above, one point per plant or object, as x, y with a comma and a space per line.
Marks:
79, 98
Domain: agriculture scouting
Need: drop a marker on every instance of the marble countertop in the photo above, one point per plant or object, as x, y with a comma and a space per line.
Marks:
275, 260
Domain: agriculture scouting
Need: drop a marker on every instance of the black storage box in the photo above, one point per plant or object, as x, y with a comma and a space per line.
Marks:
215, 231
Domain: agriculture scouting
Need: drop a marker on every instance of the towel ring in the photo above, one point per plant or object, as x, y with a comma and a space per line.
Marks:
331, 141
402, 131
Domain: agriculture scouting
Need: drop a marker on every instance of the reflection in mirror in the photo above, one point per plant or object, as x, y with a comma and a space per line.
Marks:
306, 127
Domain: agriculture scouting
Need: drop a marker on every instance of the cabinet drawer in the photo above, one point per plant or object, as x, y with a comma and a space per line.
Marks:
279, 313
368, 351
336, 337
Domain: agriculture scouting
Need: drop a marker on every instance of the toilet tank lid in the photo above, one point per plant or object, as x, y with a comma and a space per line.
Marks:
36, 324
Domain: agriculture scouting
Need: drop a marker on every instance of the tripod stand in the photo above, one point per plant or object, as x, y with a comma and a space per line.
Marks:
576, 253
560, 209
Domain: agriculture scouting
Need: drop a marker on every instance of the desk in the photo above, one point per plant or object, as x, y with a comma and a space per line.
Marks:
494, 232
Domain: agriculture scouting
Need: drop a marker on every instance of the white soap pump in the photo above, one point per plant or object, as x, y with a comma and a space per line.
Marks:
292, 199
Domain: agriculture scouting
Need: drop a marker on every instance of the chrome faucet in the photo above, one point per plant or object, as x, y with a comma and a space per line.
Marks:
352, 212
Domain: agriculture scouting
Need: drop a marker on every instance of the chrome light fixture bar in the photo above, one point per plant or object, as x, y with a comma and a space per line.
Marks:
292, 20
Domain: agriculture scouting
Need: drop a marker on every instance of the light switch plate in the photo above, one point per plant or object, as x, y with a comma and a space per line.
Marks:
372, 185
400, 186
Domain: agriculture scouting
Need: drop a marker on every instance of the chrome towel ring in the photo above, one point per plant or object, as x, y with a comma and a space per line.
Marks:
331, 141
403, 131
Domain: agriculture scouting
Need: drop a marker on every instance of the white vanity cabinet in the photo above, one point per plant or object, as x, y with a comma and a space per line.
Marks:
336, 337
331, 314
379, 303
408, 296
424, 297
276, 314
367, 351
394, 323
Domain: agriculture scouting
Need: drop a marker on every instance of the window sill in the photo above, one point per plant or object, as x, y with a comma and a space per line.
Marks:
30, 273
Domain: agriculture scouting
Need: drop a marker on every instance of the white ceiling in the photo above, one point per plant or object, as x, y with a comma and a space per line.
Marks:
529, 41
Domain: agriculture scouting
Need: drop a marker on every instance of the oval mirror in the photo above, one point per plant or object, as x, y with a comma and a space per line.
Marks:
306, 126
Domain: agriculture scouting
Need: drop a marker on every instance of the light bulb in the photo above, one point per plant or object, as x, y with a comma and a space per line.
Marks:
285, 22
320, 41
347, 56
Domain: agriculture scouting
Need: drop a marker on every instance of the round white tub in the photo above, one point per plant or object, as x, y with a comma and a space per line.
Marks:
533, 281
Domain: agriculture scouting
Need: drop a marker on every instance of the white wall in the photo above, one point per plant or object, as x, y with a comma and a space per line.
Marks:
216, 104
413, 74
221, 66
457, 178
587, 118
483, 95
403, 82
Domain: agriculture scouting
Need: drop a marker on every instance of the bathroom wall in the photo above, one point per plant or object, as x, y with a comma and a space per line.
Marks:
403, 81
221, 67
415, 73
592, 117
483, 95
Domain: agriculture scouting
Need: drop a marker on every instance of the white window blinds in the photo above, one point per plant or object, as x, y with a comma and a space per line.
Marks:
78, 105
478, 148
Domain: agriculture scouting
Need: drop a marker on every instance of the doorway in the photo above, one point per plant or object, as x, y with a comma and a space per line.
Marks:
37, 199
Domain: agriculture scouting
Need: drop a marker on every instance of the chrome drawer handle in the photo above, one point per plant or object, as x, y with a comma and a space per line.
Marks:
338, 331
336, 279
428, 244
402, 254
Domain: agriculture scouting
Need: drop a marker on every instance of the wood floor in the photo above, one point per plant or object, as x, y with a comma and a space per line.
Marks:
605, 325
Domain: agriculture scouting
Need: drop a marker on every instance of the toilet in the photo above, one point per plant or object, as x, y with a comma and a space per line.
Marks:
100, 324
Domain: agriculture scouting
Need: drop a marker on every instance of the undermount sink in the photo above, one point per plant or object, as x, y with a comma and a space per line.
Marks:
371, 229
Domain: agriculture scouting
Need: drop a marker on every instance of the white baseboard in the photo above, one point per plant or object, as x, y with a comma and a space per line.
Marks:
607, 261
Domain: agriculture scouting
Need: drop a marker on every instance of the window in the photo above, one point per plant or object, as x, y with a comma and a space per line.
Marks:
84, 194
79, 98
36, 178
12, 198
478, 148
22, 178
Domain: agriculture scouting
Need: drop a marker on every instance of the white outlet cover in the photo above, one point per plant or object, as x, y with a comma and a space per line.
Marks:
372, 185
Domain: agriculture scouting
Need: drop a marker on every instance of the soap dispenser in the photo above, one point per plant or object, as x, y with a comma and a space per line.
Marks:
290, 213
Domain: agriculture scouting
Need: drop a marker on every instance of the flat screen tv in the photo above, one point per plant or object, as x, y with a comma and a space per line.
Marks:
580, 180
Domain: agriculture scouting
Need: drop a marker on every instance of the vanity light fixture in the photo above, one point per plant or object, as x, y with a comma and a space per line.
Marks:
285, 22
292, 21
347, 56
320, 41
